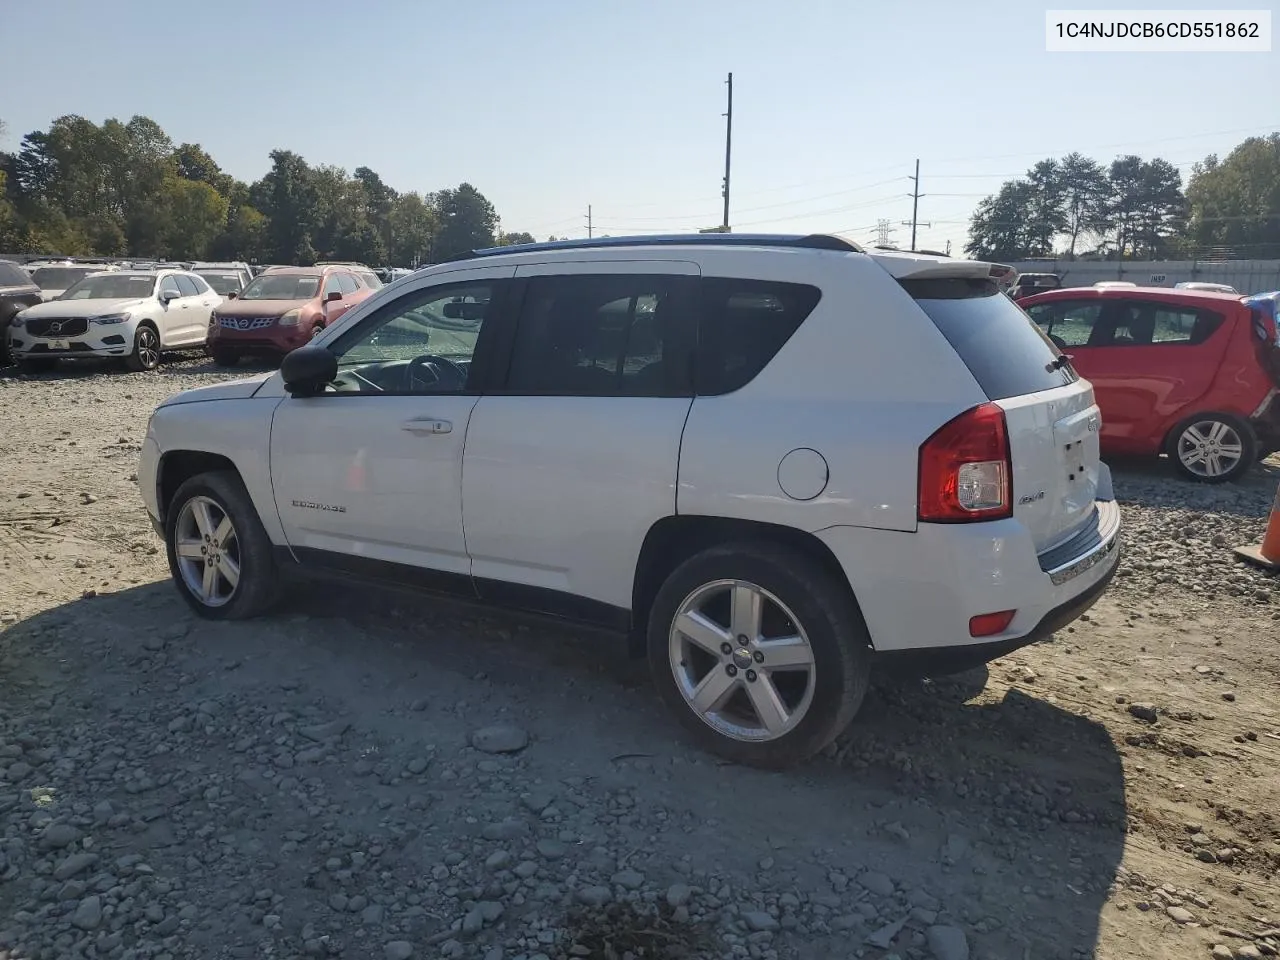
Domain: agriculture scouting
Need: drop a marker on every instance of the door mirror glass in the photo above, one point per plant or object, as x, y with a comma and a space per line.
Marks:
307, 370
332, 296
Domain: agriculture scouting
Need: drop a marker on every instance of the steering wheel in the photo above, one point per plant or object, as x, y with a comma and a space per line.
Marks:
443, 374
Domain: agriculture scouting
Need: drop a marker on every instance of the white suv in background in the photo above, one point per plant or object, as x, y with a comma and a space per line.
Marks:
778, 462
130, 314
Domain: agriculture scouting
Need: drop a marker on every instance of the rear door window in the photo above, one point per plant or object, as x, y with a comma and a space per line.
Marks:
1007, 354
11, 276
1068, 323
742, 324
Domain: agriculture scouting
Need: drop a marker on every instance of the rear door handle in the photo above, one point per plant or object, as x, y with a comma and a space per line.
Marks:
426, 426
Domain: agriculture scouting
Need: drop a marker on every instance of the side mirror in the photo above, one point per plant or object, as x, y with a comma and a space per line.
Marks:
232, 295
166, 296
307, 369
333, 295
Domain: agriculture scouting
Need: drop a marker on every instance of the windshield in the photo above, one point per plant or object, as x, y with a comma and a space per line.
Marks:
222, 283
113, 286
59, 278
286, 286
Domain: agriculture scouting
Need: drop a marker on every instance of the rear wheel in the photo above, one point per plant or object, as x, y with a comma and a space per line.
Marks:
1213, 448
146, 349
760, 652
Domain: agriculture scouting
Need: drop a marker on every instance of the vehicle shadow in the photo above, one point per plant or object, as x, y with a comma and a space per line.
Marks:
1002, 815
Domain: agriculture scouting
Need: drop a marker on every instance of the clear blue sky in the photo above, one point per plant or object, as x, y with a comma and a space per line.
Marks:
547, 106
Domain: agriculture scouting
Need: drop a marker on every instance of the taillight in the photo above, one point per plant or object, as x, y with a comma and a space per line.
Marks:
989, 624
965, 469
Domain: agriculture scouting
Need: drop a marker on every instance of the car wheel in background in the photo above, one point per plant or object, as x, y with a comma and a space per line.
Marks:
760, 652
146, 349
1212, 447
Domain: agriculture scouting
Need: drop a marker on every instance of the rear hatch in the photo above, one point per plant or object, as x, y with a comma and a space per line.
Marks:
1053, 422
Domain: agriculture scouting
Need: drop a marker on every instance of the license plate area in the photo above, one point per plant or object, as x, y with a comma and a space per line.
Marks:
59, 344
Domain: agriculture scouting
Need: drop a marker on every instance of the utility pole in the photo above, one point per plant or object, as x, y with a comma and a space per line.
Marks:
915, 206
728, 152
589, 221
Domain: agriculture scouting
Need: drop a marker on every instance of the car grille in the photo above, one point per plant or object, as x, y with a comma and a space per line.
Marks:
56, 327
245, 323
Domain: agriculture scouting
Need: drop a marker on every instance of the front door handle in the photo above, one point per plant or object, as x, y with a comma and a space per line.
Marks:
425, 426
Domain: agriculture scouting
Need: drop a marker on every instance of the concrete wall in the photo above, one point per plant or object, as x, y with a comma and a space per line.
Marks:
1247, 276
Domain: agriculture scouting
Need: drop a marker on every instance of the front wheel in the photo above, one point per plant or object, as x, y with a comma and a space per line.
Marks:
146, 350
760, 652
1213, 448
219, 554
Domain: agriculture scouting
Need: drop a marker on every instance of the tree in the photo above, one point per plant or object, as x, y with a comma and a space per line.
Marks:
1235, 203
467, 219
287, 196
1146, 207
998, 228
1044, 212
511, 239
1084, 198
195, 214
412, 226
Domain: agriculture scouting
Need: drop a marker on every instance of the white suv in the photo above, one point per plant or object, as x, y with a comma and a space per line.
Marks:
130, 314
776, 461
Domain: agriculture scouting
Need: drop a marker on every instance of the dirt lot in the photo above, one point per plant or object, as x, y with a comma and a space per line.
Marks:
308, 785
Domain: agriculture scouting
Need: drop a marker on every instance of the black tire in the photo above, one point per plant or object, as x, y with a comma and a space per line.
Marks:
1204, 424
317, 328
37, 365
829, 617
225, 358
146, 349
258, 586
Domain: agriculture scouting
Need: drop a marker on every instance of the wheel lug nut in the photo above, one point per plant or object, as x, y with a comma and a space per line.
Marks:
742, 639
751, 676
731, 670
758, 657
726, 648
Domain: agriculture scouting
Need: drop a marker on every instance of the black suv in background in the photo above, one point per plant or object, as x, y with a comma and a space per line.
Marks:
17, 292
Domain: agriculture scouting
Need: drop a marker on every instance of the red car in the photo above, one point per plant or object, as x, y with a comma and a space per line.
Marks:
283, 308
1189, 373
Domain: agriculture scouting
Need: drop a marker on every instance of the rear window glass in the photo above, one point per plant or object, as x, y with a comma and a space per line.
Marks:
11, 276
1007, 354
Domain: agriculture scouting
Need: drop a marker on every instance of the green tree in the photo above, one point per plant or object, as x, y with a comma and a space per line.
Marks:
1045, 209
1146, 207
413, 226
286, 195
998, 228
1235, 203
468, 221
195, 214
511, 239
1084, 199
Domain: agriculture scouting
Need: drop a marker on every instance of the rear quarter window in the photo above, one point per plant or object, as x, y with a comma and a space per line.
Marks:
12, 276
1007, 354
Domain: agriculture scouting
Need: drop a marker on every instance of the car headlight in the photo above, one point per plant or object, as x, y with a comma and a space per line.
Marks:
290, 319
17, 320
109, 318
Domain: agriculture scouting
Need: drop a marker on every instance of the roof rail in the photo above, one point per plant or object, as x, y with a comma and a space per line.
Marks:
811, 241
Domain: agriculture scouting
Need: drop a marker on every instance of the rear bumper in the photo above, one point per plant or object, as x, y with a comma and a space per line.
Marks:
918, 590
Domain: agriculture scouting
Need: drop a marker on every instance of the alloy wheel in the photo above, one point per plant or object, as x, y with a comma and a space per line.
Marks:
1210, 448
148, 348
208, 551
742, 661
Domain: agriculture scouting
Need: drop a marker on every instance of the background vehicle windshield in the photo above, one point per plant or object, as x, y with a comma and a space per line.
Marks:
58, 278
222, 283
114, 286
289, 286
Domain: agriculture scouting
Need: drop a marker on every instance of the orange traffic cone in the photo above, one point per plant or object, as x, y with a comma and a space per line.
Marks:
1267, 553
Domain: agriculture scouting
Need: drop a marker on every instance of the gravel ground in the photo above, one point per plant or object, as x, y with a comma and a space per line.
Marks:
369, 775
